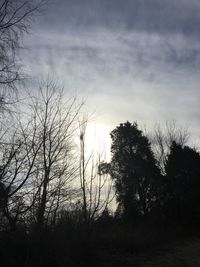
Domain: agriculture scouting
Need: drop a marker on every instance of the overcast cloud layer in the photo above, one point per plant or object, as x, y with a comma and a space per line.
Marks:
132, 59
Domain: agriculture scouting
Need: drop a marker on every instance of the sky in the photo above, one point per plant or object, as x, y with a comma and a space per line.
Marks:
136, 60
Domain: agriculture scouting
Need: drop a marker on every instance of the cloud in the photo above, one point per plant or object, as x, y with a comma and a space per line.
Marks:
164, 32
166, 16
133, 59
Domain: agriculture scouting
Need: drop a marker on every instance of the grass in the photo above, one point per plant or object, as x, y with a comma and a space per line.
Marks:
184, 254
112, 246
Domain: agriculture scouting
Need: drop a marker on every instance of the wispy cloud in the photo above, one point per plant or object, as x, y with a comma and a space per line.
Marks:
133, 59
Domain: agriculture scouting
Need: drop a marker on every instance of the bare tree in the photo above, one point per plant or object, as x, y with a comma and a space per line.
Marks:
55, 124
15, 18
18, 156
163, 138
96, 186
38, 165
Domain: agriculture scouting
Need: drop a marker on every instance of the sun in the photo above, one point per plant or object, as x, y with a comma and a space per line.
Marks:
98, 139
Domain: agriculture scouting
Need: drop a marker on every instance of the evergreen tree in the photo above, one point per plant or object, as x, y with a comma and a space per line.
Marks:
182, 182
134, 170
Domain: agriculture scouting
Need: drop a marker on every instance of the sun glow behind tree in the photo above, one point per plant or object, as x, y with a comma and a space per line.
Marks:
97, 140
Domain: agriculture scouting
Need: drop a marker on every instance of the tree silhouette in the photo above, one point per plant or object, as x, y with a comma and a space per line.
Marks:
134, 170
182, 184
15, 18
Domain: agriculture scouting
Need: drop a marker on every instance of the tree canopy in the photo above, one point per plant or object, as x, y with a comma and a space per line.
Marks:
134, 170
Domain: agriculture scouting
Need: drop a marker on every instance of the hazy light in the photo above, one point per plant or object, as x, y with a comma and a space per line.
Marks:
98, 140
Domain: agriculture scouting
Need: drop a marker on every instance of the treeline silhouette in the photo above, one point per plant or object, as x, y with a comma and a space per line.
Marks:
61, 207
164, 186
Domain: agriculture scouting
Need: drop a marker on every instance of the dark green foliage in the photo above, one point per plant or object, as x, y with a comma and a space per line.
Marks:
182, 183
134, 170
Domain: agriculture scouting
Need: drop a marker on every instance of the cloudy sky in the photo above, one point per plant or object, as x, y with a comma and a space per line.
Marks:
131, 59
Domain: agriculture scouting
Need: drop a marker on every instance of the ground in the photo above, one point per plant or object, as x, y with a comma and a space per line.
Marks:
180, 254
